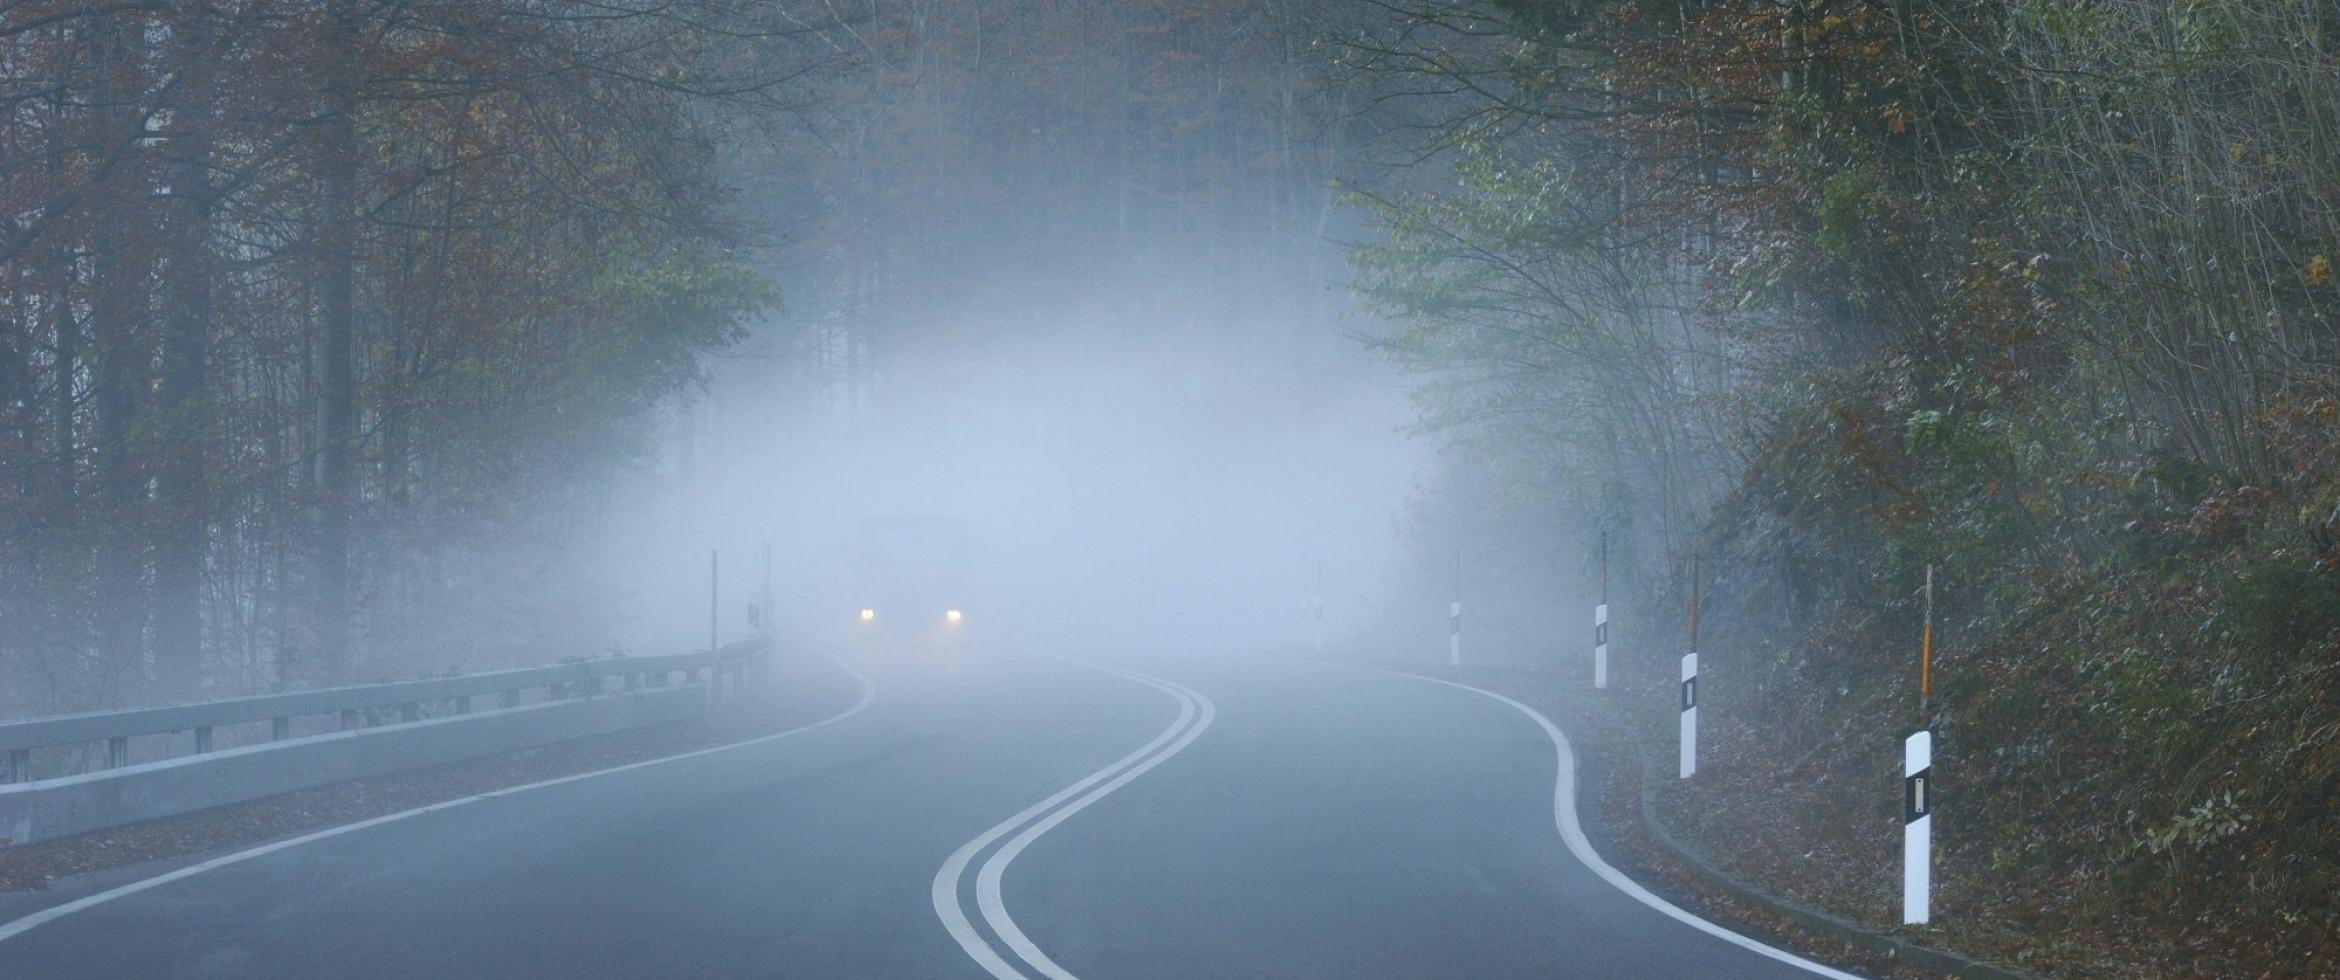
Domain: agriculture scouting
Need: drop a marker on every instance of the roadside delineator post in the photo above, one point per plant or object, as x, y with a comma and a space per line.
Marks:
1917, 774
1917, 827
1316, 621
1454, 616
1689, 714
1690, 684
1454, 634
714, 630
1601, 622
768, 627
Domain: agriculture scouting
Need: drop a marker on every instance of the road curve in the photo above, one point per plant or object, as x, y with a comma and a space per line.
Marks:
807, 856
1357, 824
1007, 940
1214, 817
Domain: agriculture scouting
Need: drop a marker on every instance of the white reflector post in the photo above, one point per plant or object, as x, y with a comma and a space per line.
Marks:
1917, 827
1601, 645
1689, 714
1454, 638
1316, 612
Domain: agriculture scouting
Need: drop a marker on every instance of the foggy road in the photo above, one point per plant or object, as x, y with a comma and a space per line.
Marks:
1214, 818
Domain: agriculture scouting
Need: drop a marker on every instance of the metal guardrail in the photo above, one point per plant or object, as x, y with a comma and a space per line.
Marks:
356, 703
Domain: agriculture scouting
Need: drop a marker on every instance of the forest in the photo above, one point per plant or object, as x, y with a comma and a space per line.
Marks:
1804, 298
296, 294
324, 324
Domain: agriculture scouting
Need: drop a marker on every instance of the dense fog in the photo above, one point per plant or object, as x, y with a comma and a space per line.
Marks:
1120, 494
1964, 368
479, 373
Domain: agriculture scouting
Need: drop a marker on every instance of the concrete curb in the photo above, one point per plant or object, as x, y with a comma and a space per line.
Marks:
1941, 961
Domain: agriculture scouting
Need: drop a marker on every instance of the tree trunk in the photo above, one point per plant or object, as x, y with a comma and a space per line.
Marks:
337, 383
183, 410
120, 274
64, 367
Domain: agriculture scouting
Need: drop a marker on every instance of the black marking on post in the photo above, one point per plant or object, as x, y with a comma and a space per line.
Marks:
1690, 694
1601, 634
1458, 622
1917, 795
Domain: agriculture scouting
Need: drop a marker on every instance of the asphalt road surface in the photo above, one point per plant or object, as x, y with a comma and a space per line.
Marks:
990, 817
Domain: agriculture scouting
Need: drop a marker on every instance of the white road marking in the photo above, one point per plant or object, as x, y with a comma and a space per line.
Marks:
987, 891
1572, 832
53, 913
1195, 713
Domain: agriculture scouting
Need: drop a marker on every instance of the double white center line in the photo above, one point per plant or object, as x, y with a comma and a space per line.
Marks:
1194, 714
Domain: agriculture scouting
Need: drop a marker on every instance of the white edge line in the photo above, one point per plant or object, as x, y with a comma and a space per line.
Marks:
987, 879
945, 890
1572, 831
35, 920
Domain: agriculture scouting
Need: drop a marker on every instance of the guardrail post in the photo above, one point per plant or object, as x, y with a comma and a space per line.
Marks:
202, 739
117, 752
20, 765
279, 729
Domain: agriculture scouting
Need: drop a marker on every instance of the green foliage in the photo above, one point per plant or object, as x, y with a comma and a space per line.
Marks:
1843, 213
2279, 607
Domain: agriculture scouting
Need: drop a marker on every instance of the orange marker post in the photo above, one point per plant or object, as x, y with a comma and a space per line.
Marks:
1926, 658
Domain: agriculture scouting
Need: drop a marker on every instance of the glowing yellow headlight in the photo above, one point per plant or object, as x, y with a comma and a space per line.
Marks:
953, 615
868, 614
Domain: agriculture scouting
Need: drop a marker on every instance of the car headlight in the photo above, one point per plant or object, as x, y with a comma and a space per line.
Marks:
953, 615
868, 614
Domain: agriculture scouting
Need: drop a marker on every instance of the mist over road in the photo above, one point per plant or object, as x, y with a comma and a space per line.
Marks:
1229, 817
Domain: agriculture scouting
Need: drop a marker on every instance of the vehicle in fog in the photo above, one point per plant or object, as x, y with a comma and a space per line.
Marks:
913, 583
